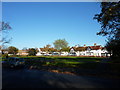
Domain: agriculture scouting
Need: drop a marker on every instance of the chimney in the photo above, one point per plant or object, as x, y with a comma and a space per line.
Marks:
95, 44
84, 45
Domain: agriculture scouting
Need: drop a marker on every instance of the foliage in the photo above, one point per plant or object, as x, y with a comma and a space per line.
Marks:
52, 50
46, 48
67, 49
60, 44
5, 55
12, 50
109, 18
32, 52
113, 46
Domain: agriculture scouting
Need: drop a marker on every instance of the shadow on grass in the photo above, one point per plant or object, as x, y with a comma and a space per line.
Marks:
78, 65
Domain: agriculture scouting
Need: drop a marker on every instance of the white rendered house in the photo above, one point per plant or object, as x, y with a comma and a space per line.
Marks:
39, 53
96, 50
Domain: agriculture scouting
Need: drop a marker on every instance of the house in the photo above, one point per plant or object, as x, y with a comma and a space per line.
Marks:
22, 52
96, 50
39, 53
47, 51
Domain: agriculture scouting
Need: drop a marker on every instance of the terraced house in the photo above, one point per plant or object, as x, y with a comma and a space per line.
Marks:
95, 50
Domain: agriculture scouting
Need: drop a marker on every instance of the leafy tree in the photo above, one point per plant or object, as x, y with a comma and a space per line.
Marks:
12, 50
60, 44
67, 49
32, 52
109, 18
47, 47
113, 46
52, 50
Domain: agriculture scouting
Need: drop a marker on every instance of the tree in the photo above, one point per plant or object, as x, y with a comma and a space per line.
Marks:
4, 27
67, 49
113, 46
32, 52
12, 50
47, 47
109, 18
52, 50
60, 44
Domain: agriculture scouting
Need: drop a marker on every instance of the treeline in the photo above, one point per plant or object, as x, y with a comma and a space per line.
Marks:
59, 45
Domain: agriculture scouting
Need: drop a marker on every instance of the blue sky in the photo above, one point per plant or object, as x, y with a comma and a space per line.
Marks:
35, 24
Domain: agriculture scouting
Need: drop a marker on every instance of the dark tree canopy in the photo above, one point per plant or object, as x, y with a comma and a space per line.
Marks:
109, 18
113, 46
12, 50
32, 52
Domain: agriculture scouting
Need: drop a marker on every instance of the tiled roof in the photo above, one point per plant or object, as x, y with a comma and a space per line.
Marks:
95, 47
85, 48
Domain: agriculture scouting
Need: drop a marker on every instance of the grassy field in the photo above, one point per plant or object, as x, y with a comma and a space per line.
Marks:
81, 62
94, 66
63, 61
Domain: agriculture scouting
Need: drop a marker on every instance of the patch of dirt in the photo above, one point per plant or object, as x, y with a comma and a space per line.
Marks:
78, 71
57, 71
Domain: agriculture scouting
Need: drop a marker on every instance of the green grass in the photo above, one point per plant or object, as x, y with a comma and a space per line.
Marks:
67, 62
70, 64
62, 61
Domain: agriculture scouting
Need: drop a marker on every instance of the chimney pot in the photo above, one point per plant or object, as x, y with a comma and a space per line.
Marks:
95, 44
84, 45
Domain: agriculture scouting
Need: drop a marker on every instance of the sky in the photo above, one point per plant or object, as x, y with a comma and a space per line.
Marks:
36, 24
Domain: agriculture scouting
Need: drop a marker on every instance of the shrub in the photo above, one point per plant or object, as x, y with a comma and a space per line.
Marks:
5, 55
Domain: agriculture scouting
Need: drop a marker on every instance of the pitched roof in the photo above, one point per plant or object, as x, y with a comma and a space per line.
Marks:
85, 48
95, 47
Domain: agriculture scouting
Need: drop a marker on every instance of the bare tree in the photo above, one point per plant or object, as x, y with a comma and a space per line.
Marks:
4, 28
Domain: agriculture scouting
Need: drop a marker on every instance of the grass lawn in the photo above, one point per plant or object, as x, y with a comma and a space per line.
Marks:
72, 64
61, 61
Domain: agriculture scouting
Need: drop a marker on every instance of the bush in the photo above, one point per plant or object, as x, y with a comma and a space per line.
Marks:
5, 55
